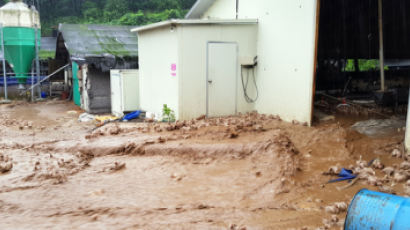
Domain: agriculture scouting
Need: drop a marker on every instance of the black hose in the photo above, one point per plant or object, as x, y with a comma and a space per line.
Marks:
245, 86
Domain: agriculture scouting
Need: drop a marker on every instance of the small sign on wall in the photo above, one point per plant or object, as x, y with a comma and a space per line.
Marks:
173, 70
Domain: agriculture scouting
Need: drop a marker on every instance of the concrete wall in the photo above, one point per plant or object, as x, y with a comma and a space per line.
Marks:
158, 51
286, 51
193, 40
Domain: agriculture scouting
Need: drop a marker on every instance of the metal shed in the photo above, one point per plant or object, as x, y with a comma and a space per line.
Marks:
94, 50
194, 66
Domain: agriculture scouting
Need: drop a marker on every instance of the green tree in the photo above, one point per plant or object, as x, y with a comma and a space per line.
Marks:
133, 19
114, 9
123, 12
91, 11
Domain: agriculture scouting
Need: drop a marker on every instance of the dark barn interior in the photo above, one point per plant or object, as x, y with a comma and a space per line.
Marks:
348, 56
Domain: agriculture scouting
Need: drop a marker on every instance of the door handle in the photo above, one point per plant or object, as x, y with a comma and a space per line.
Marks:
210, 81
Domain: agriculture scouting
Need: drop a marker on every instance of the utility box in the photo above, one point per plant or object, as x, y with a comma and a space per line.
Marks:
124, 91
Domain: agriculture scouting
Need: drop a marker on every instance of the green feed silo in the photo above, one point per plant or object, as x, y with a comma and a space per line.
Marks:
19, 30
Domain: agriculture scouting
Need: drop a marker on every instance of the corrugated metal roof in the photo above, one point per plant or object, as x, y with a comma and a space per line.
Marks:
48, 43
99, 40
199, 8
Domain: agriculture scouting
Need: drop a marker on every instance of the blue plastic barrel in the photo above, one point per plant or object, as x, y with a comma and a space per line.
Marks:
378, 211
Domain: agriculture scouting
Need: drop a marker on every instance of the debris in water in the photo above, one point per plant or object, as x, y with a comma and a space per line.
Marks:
377, 164
400, 177
342, 206
337, 208
366, 173
396, 153
5, 167
386, 189
405, 165
372, 180
6, 164
114, 130
389, 171
333, 171
117, 166
332, 209
233, 135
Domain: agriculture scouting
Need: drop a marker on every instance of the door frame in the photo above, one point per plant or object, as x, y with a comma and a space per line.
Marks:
312, 108
207, 74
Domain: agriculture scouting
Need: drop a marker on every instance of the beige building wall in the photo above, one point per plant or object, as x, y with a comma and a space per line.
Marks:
158, 51
222, 9
286, 49
193, 63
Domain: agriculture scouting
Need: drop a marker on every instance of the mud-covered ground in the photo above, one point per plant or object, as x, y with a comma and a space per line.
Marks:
246, 172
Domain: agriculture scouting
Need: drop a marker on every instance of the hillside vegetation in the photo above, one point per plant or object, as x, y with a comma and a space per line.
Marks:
116, 12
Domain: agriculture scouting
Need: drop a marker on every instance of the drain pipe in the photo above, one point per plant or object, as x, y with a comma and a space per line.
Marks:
237, 9
381, 47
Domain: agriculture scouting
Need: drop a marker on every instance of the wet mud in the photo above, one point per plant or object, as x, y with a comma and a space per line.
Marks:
245, 172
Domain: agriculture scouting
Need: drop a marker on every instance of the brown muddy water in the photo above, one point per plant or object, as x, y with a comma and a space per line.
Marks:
246, 172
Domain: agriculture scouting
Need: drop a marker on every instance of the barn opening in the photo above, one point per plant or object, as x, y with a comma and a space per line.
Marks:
363, 59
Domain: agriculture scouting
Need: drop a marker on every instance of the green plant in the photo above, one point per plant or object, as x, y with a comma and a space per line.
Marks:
45, 54
168, 114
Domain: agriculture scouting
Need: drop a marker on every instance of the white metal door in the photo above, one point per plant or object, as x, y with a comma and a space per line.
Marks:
130, 84
116, 94
222, 79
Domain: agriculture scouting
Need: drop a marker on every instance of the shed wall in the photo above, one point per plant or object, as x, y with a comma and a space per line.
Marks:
158, 51
193, 40
286, 51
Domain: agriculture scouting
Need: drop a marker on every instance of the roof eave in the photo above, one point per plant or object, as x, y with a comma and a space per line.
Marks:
193, 22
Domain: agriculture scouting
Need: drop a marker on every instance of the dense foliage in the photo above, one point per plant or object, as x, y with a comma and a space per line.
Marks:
118, 12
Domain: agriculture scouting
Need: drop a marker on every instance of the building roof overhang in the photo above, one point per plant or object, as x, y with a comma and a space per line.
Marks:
195, 22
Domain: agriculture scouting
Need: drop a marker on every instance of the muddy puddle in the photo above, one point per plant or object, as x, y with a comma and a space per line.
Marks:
246, 172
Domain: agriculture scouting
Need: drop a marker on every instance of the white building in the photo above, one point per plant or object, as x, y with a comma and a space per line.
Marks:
283, 34
284, 73
286, 50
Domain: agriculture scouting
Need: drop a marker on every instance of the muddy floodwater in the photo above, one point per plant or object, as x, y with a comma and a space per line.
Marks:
246, 172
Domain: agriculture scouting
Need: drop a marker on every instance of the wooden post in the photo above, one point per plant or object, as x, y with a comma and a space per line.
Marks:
381, 47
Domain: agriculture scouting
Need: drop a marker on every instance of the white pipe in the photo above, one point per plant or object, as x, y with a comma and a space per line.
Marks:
32, 83
407, 139
38, 63
4, 63
46, 78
